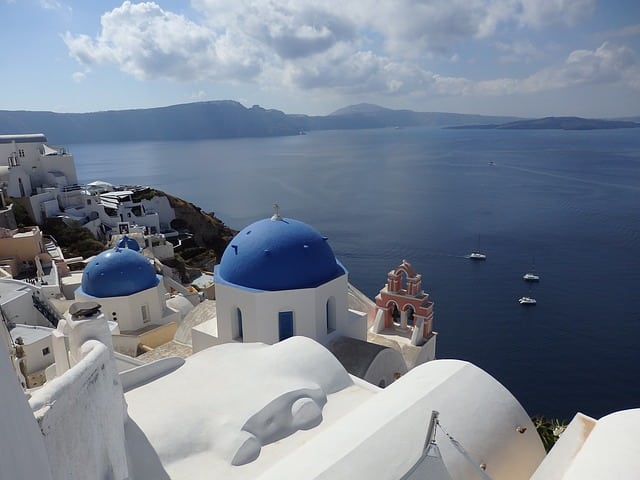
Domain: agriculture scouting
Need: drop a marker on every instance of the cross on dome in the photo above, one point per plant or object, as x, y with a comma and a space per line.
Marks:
276, 213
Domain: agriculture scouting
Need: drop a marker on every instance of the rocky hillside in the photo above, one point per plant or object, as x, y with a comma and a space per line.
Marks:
204, 236
210, 235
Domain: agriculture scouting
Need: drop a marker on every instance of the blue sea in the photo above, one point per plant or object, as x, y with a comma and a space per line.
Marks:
564, 202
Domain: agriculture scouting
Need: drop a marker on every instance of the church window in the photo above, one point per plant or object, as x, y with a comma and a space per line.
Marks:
237, 326
285, 325
45, 351
145, 313
331, 314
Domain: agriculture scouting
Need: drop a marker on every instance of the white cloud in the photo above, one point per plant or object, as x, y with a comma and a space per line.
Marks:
608, 64
148, 42
538, 13
300, 31
55, 5
627, 31
79, 77
199, 95
329, 46
517, 52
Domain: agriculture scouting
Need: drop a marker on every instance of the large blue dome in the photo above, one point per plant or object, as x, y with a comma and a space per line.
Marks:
118, 272
278, 254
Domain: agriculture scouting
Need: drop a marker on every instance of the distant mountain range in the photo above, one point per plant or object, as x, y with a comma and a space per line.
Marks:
557, 123
230, 119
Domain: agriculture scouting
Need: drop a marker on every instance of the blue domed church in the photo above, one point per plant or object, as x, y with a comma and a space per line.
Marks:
125, 284
279, 278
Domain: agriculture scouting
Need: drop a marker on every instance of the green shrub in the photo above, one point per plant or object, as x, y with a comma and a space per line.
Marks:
73, 239
549, 429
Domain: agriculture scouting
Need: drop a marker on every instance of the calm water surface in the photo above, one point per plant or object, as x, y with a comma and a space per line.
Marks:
568, 202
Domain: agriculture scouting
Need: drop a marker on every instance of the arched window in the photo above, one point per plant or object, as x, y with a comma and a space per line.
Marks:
410, 314
236, 327
395, 313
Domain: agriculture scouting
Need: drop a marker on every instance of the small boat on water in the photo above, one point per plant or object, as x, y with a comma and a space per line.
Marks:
531, 276
475, 254
527, 301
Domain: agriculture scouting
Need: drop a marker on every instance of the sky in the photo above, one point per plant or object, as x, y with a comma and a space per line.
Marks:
529, 58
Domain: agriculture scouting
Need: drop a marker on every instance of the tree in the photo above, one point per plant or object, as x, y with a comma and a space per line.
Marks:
73, 239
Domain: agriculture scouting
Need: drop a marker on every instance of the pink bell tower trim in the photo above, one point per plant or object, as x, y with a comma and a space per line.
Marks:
404, 304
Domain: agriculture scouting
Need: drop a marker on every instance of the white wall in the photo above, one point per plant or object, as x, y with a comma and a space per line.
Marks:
22, 449
35, 358
81, 413
355, 325
18, 305
61, 163
260, 312
427, 352
160, 205
128, 311
384, 368
152, 220
50, 207
35, 202
227, 300
17, 174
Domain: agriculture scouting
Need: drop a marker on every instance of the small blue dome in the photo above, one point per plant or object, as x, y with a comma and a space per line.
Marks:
118, 272
130, 243
281, 254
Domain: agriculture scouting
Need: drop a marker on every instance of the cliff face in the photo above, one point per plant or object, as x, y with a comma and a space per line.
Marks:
210, 235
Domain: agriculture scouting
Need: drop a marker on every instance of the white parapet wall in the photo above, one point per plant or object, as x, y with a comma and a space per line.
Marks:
81, 413
22, 449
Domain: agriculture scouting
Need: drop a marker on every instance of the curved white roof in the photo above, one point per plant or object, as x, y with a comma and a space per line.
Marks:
260, 405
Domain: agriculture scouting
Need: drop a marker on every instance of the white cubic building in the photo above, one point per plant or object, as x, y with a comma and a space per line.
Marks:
127, 287
279, 278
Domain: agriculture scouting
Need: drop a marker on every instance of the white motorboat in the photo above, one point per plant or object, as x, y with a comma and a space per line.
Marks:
475, 254
530, 277
527, 301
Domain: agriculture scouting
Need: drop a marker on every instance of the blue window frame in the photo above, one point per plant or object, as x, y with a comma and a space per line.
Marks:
285, 325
